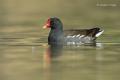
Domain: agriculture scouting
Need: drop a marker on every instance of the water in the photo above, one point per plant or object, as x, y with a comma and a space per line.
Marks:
25, 55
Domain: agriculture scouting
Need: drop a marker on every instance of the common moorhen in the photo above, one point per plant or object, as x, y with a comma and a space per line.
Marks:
74, 36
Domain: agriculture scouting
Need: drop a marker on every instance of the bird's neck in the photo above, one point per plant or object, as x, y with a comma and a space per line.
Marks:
57, 29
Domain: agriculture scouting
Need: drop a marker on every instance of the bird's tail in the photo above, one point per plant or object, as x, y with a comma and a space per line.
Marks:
99, 33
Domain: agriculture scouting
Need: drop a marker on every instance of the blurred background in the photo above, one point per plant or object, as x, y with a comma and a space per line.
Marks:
79, 12
73, 13
25, 56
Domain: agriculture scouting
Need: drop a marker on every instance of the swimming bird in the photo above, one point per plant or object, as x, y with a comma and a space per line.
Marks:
72, 36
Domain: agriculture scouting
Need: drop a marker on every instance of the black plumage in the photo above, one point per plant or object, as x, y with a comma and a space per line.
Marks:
59, 36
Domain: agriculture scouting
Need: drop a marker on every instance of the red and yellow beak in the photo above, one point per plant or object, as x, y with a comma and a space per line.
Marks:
47, 25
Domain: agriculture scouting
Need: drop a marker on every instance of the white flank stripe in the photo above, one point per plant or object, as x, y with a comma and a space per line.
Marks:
82, 36
78, 35
69, 36
73, 36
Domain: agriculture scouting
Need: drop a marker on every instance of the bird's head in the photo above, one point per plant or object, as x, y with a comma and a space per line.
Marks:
53, 23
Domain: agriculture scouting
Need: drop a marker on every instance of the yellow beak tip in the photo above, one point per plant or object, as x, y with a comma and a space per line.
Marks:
44, 27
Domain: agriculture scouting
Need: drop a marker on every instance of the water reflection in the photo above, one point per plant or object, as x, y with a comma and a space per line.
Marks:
52, 52
50, 63
55, 50
53, 58
60, 62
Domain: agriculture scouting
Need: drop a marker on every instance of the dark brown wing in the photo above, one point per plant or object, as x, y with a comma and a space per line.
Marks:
87, 32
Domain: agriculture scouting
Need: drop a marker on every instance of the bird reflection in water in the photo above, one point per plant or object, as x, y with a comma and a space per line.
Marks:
52, 53
51, 61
